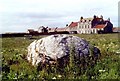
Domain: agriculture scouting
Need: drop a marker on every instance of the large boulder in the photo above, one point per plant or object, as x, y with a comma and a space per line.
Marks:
51, 48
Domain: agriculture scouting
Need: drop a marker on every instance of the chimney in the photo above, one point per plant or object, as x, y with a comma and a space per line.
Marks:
108, 19
81, 18
101, 16
94, 16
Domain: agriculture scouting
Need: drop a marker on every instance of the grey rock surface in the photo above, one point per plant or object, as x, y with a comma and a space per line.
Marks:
57, 46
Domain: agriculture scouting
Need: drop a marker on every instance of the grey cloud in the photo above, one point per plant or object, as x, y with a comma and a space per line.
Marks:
41, 15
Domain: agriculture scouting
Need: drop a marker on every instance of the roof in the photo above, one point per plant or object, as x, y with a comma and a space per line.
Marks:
87, 18
56, 29
73, 24
61, 29
116, 29
100, 26
98, 19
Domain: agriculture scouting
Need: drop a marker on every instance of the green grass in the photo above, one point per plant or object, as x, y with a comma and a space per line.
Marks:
15, 65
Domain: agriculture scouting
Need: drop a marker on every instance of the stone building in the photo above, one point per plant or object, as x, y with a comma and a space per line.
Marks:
91, 25
84, 26
43, 29
73, 27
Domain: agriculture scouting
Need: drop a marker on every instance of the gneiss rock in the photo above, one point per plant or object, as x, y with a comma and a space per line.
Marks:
51, 48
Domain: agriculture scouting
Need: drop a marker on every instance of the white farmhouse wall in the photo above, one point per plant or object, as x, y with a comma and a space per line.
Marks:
85, 28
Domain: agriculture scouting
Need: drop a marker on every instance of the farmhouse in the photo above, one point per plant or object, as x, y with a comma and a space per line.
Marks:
83, 26
91, 25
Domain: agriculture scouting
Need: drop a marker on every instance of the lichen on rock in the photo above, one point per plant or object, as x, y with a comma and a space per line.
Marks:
53, 47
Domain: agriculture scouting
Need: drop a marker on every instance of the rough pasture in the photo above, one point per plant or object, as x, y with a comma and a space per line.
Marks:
15, 65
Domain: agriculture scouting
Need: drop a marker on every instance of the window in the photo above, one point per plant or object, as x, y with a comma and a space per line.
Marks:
79, 26
85, 26
88, 26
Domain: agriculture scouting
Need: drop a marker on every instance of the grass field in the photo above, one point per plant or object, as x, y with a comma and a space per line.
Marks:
15, 65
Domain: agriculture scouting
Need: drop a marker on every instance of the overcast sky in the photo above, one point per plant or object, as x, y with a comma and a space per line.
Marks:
20, 15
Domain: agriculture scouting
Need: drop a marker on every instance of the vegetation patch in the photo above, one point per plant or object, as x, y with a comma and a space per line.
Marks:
15, 65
